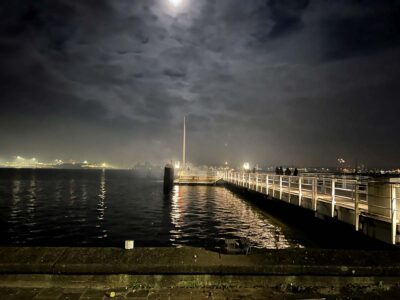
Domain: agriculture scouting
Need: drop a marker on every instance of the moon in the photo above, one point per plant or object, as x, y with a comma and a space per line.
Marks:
175, 3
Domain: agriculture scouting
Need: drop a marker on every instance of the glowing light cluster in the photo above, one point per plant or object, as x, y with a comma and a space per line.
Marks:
22, 162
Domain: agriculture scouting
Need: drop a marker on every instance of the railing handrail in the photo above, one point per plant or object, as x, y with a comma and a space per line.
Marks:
344, 188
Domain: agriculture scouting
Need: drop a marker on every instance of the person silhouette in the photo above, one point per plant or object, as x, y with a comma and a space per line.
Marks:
288, 172
296, 172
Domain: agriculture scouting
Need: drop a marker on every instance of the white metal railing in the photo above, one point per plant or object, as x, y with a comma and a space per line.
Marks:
354, 193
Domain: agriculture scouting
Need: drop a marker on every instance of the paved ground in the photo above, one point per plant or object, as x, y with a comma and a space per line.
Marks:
192, 273
193, 294
174, 293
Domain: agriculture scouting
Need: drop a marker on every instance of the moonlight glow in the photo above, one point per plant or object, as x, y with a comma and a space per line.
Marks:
175, 3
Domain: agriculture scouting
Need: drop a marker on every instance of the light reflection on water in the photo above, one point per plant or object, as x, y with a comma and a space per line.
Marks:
215, 213
101, 207
104, 208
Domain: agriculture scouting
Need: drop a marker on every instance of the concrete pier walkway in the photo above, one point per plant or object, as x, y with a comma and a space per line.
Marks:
193, 273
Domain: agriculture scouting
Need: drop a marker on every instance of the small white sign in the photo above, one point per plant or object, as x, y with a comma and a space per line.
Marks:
129, 244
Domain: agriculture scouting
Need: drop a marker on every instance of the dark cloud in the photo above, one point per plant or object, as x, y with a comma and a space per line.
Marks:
361, 27
272, 82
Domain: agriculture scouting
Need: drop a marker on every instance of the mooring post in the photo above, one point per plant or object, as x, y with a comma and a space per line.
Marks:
168, 178
333, 187
280, 187
356, 208
394, 214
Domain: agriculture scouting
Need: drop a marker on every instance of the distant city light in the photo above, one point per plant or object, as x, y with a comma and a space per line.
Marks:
21, 162
341, 160
246, 166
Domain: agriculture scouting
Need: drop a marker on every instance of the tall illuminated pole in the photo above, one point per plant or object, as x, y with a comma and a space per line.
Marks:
184, 143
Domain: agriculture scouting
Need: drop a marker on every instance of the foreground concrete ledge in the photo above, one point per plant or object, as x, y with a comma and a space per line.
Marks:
188, 260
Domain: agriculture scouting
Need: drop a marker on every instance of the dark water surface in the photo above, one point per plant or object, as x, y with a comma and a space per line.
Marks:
105, 207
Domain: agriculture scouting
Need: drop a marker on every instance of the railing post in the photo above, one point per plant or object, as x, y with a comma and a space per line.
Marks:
333, 198
357, 208
314, 193
249, 185
289, 188
256, 182
273, 186
267, 184
280, 187
394, 214
300, 190
243, 180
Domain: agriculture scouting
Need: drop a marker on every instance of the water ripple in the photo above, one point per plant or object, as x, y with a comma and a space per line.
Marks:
104, 208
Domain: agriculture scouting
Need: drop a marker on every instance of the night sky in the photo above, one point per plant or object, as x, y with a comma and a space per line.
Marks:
269, 82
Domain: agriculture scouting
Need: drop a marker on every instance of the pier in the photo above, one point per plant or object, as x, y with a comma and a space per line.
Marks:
369, 205
198, 177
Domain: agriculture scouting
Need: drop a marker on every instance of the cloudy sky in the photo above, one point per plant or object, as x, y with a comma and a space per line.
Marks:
270, 82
